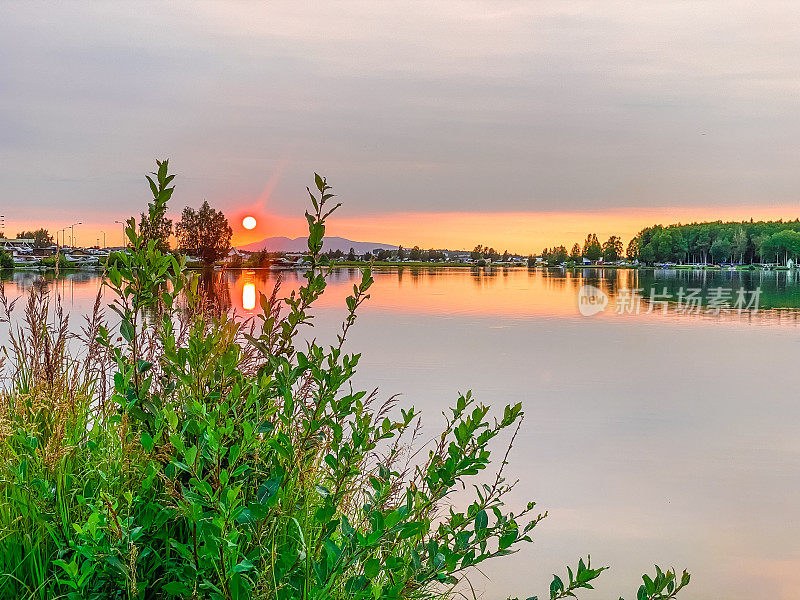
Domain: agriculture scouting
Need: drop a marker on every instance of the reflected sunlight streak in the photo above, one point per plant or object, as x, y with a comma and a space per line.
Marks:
249, 296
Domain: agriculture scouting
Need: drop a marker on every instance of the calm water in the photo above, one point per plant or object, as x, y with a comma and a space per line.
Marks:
665, 436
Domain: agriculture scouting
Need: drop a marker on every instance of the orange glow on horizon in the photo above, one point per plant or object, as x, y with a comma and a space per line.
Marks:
530, 232
519, 232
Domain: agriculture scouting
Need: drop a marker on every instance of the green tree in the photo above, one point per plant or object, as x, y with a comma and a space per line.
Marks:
758, 241
415, 253
739, 244
41, 237
693, 241
720, 250
612, 249
204, 233
401, 253
782, 245
575, 255
592, 250
632, 252
647, 255
703, 245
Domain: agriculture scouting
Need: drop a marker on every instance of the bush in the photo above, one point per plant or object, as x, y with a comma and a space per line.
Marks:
189, 457
6, 260
261, 259
63, 263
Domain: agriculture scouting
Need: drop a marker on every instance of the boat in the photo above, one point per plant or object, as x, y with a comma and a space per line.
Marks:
26, 260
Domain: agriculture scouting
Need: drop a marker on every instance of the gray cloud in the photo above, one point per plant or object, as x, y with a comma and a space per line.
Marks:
435, 106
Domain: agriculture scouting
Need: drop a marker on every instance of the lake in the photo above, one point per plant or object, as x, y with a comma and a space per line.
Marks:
661, 432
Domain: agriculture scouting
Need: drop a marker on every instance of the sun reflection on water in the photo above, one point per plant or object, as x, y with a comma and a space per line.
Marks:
249, 296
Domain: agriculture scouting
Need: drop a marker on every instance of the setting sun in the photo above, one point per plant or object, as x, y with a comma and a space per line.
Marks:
249, 222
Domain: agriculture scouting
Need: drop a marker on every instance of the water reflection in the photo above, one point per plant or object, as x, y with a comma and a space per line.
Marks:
249, 296
491, 292
215, 290
648, 437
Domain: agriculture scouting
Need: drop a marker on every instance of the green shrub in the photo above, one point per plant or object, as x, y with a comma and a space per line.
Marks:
63, 263
189, 457
6, 260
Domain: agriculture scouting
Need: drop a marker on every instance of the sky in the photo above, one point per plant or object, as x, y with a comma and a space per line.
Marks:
516, 125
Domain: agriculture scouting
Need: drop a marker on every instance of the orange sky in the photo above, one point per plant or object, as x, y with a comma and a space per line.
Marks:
522, 232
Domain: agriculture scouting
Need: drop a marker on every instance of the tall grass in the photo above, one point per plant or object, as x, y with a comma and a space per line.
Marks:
181, 453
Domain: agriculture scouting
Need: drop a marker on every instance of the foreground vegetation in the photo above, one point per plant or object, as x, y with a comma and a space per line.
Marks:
183, 454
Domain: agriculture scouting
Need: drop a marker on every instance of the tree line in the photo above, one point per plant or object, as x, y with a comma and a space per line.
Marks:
415, 254
744, 242
592, 250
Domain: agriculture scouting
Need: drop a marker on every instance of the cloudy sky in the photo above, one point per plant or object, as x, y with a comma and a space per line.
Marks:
443, 123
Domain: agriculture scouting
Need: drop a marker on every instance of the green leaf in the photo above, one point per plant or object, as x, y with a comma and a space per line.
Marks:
147, 441
267, 489
265, 427
190, 455
481, 521
127, 330
371, 568
176, 588
244, 566
556, 586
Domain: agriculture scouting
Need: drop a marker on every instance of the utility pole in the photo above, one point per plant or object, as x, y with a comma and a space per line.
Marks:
72, 233
123, 233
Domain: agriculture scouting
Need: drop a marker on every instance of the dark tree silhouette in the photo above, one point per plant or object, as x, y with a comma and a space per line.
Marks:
204, 233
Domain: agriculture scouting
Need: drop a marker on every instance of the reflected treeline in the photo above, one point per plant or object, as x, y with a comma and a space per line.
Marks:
778, 289
214, 291
500, 290
608, 280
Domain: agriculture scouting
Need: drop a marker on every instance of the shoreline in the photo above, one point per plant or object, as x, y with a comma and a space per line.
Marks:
427, 265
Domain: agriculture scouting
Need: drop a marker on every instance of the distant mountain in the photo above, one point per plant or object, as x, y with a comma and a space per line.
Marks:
300, 244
